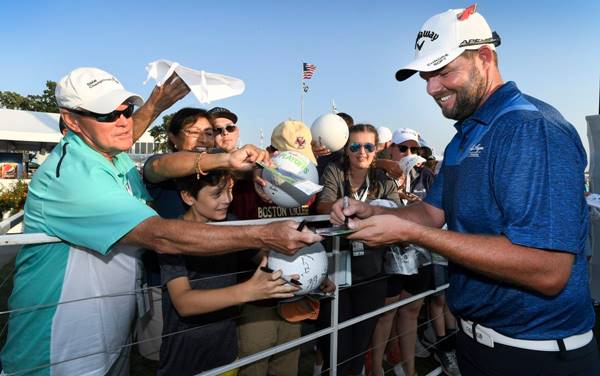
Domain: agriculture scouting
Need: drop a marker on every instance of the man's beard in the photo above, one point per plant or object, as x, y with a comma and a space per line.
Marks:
468, 98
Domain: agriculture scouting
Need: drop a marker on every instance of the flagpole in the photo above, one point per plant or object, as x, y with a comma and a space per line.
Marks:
302, 93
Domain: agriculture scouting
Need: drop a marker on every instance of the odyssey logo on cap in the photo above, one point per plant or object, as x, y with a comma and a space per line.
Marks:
445, 36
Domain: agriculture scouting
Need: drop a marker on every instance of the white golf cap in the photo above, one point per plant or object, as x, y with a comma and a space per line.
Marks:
384, 134
94, 90
445, 36
405, 134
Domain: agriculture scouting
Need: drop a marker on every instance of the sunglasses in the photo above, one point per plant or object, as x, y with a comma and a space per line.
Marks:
413, 149
106, 118
355, 147
229, 128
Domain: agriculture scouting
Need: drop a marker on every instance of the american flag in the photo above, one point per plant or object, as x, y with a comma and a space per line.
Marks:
308, 70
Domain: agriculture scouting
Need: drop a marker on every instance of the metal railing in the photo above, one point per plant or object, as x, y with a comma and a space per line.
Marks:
335, 256
10, 222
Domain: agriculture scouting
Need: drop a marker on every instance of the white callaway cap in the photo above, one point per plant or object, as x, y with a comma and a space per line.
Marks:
445, 36
94, 90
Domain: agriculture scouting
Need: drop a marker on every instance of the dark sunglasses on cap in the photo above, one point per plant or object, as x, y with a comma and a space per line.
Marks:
106, 118
413, 149
229, 128
355, 147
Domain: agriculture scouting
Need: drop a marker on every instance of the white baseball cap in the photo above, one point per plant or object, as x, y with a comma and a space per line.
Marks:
384, 134
405, 134
94, 90
445, 36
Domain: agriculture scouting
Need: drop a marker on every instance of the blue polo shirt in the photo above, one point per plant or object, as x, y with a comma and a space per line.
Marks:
516, 168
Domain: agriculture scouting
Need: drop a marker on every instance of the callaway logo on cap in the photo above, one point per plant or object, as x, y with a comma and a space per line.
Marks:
445, 36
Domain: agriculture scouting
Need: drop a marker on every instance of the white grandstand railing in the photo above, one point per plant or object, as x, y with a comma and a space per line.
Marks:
332, 330
10, 222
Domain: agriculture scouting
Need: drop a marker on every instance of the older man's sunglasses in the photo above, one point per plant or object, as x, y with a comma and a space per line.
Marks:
107, 118
229, 128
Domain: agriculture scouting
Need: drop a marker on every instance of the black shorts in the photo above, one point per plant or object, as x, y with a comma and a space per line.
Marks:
413, 284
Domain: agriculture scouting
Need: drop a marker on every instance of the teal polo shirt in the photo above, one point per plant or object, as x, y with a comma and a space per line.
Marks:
81, 288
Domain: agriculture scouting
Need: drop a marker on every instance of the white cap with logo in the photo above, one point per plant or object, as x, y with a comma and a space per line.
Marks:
445, 36
405, 134
94, 90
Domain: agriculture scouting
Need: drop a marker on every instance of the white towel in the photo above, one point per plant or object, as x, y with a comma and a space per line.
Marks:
409, 162
206, 86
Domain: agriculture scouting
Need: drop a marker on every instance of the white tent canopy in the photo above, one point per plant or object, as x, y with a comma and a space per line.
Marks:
29, 126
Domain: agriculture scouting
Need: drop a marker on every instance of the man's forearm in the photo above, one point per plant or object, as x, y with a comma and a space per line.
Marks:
497, 257
161, 98
419, 212
182, 163
143, 117
185, 237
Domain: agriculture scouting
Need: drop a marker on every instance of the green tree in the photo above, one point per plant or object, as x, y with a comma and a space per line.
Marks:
159, 132
46, 102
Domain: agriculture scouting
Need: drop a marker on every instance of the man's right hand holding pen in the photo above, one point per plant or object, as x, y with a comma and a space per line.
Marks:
344, 209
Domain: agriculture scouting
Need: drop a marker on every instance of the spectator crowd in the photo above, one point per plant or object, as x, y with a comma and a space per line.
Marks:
141, 260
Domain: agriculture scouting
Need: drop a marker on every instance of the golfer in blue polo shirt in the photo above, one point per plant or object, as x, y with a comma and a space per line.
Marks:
511, 192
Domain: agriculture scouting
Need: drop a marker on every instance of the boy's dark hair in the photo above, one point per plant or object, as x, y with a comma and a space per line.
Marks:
192, 184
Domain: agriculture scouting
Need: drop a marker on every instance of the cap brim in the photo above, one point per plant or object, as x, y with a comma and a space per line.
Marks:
110, 101
428, 63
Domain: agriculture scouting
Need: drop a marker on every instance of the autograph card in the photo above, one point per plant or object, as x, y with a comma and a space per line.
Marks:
334, 231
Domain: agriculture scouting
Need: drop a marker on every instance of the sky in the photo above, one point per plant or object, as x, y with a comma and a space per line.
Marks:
550, 49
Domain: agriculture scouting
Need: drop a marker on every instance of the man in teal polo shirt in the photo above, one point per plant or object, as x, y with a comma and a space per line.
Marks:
73, 302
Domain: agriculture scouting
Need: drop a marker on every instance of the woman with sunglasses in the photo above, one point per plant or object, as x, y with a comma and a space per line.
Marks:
356, 177
443, 322
405, 143
190, 134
